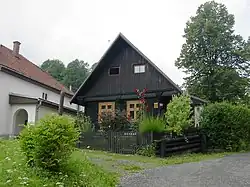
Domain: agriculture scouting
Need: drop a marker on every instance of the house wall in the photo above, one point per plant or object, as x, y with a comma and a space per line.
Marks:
104, 84
91, 108
44, 110
15, 85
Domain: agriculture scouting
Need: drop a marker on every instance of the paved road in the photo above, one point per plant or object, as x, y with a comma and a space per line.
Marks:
230, 171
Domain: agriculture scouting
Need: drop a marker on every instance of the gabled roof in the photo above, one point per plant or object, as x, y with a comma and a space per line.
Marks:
19, 65
121, 36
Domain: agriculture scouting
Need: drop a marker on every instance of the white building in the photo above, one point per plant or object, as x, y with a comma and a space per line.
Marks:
28, 93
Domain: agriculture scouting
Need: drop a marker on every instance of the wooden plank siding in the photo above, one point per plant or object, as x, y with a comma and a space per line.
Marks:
92, 108
126, 57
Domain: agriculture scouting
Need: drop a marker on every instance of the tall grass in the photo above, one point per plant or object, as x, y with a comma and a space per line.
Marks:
152, 124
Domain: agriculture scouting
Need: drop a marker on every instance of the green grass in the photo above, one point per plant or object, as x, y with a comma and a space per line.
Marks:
85, 168
131, 168
112, 161
78, 172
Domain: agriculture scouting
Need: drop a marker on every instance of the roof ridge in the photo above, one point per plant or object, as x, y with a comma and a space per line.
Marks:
120, 35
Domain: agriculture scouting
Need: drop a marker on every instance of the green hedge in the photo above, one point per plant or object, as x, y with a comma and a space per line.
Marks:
227, 126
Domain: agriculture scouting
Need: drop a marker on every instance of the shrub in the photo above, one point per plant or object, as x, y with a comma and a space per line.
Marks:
50, 142
27, 143
227, 126
152, 124
79, 171
115, 121
178, 114
83, 123
148, 150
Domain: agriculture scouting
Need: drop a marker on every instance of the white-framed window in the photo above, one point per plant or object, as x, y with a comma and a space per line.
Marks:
139, 68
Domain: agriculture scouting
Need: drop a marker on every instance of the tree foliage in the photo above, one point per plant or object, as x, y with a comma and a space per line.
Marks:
213, 56
178, 114
72, 76
75, 74
55, 68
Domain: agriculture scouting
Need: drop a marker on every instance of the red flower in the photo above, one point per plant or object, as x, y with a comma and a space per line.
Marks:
129, 118
136, 90
142, 100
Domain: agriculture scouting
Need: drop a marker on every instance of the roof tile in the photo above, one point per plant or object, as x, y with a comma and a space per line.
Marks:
23, 66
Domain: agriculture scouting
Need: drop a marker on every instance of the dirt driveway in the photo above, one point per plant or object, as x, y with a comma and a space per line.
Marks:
233, 171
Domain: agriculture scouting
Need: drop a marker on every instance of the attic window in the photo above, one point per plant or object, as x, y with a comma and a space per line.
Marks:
45, 96
139, 68
114, 71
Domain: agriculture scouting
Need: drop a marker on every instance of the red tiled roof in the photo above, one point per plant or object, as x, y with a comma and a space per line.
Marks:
23, 66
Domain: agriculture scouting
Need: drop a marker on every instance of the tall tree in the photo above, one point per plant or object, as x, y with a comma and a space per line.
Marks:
212, 55
75, 74
55, 68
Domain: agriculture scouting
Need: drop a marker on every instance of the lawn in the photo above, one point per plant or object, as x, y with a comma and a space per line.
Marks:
78, 172
125, 164
85, 167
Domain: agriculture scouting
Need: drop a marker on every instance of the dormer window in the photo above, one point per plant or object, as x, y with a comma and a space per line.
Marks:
114, 71
140, 68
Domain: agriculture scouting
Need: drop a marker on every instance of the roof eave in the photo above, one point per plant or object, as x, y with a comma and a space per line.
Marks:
73, 99
7, 70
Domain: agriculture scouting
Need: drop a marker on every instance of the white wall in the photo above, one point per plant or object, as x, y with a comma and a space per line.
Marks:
31, 110
43, 111
13, 84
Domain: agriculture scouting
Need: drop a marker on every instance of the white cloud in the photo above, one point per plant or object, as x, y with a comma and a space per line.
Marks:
81, 29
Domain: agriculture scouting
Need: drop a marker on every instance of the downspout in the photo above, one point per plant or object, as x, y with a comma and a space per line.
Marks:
37, 109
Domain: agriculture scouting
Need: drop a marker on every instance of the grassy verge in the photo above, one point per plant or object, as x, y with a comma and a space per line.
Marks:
124, 164
78, 172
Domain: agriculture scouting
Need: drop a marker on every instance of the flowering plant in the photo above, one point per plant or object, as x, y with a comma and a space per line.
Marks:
143, 105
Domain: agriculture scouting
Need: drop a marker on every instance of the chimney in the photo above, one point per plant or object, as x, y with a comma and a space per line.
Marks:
70, 87
16, 47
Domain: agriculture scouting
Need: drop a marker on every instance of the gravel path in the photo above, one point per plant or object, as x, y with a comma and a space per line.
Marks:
230, 171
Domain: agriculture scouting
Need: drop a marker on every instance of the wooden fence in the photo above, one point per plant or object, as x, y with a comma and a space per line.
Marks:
128, 142
185, 144
125, 142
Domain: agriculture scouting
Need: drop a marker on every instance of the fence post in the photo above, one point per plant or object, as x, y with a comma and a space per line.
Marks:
203, 142
162, 148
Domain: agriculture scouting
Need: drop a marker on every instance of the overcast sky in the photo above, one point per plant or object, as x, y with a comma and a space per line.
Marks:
70, 29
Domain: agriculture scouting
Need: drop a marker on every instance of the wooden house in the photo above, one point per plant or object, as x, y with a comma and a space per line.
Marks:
122, 69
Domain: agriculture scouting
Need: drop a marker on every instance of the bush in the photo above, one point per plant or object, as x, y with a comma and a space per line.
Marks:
178, 114
227, 126
115, 121
148, 150
27, 143
152, 124
79, 171
50, 142
83, 123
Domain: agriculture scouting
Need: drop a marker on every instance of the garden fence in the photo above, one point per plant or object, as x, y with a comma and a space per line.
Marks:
124, 142
185, 144
128, 142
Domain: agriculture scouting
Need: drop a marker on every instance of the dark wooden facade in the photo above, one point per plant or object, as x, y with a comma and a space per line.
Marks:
100, 86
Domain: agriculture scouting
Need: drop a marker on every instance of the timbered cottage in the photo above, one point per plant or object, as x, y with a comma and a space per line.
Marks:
122, 69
